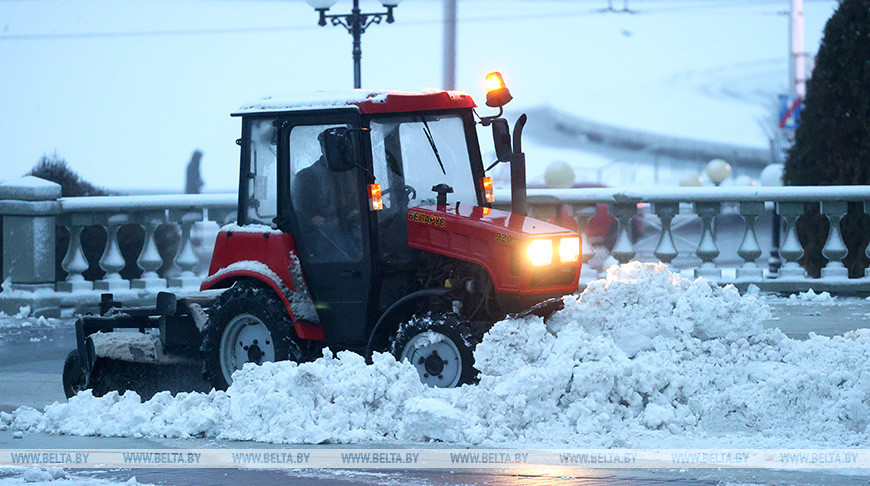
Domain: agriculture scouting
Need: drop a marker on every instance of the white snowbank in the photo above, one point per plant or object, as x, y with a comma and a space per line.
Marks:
22, 322
811, 296
57, 477
644, 358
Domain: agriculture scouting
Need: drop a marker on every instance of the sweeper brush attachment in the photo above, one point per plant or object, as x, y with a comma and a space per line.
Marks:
141, 349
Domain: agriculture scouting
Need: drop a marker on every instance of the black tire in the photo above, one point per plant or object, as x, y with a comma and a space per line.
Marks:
260, 303
455, 331
110, 375
100, 379
74, 379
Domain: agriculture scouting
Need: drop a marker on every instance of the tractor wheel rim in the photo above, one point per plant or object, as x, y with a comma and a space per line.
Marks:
424, 349
245, 339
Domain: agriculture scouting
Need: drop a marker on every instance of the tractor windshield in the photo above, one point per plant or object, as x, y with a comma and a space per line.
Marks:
412, 154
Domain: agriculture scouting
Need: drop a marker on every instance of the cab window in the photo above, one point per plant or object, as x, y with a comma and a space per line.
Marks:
326, 203
262, 190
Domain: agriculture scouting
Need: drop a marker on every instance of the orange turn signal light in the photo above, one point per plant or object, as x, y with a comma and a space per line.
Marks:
486, 185
375, 201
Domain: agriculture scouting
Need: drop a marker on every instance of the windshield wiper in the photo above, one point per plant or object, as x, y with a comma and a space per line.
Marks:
432, 143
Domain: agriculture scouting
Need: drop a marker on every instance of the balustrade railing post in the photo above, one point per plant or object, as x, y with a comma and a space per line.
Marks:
583, 213
791, 249
112, 260
623, 250
666, 250
867, 250
749, 249
28, 206
149, 258
707, 250
186, 257
775, 261
222, 216
835, 248
75, 263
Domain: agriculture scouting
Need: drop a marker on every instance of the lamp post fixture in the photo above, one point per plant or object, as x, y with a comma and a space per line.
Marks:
718, 171
356, 23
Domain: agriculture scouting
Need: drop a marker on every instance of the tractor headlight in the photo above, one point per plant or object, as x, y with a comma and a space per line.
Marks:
569, 250
541, 252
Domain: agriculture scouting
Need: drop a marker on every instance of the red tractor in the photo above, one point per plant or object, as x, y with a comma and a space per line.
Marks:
364, 223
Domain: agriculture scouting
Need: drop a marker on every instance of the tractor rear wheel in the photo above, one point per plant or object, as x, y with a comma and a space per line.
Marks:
110, 375
106, 375
74, 379
249, 324
440, 347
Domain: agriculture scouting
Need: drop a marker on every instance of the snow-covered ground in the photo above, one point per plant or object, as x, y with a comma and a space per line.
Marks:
643, 359
57, 477
125, 91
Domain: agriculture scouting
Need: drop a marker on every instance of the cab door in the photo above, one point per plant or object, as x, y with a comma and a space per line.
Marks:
327, 213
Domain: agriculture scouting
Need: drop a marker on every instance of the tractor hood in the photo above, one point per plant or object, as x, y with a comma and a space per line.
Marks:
500, 242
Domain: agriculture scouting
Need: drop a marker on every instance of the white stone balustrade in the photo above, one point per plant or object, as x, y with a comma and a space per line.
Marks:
683, 227
688, 217
29, 263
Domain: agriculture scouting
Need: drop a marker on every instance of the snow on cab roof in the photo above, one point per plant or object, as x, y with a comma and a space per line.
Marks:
364, 100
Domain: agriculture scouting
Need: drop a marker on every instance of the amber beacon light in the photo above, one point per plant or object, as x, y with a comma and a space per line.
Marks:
497, 93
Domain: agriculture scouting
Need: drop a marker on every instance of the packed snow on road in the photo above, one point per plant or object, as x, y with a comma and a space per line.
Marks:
58, 477
643, 358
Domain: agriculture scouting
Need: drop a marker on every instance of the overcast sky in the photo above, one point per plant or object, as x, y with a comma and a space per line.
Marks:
125, 90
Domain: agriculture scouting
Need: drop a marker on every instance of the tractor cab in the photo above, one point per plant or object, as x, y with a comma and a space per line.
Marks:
339, 172
383, 207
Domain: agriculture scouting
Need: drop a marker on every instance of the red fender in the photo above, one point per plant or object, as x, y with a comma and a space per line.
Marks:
269, 257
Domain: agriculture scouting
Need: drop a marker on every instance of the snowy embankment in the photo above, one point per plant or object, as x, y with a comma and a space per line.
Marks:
644, 358
57, 477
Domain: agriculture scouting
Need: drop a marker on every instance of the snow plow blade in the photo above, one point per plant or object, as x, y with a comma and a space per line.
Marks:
544, 309
141, 349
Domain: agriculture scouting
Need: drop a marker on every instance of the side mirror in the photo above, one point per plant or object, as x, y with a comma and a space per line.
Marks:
501, 139
338, 149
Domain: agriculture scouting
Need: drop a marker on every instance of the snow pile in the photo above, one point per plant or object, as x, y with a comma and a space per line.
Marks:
24, 321
811, 296
644, 358
57, 477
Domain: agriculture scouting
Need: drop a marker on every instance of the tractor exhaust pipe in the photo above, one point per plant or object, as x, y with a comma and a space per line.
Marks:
518, 171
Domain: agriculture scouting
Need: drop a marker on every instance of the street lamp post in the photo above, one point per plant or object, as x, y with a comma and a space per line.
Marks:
356, 23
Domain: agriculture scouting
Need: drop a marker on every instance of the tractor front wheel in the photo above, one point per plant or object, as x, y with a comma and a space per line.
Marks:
249, 324
440, 347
